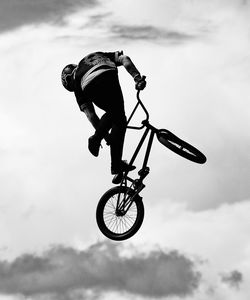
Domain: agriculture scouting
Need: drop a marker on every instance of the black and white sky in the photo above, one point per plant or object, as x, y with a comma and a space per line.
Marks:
194, 240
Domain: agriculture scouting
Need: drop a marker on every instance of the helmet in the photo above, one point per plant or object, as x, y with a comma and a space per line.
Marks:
67, 76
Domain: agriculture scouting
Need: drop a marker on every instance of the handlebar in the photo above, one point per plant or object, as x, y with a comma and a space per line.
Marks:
142, 105
139, 102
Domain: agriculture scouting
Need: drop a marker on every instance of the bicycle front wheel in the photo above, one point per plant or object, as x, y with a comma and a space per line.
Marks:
119, 215
180, 147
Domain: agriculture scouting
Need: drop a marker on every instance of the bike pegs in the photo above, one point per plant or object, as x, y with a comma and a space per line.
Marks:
144, 172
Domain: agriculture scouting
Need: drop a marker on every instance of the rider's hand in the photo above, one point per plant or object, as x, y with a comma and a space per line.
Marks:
140, 82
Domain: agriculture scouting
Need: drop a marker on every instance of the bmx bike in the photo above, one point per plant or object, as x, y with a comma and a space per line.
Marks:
120, 211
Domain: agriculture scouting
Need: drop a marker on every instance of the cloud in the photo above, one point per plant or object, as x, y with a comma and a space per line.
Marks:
233, 279
15, 13
40, 178
99, 18
148, 32
100, 268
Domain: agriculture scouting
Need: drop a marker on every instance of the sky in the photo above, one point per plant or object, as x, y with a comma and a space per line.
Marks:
194, 241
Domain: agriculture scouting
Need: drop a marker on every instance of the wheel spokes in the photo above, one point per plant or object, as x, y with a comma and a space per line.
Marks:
118, 222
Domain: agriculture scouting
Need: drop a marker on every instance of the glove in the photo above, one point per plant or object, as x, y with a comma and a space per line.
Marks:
140, 82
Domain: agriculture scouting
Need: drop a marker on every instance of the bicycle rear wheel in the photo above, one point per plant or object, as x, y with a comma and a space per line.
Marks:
119, 223
180, 147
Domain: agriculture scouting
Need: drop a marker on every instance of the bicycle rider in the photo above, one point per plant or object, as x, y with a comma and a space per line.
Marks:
95, 80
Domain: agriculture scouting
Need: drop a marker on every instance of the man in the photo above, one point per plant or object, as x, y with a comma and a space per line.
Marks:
95, 80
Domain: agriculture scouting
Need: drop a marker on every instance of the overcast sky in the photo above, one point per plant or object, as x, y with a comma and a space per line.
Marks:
194, 241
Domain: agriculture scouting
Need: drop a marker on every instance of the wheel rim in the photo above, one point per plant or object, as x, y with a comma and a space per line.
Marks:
180, 147
116, 221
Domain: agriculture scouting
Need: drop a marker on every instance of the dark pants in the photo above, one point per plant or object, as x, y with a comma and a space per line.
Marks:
105, 92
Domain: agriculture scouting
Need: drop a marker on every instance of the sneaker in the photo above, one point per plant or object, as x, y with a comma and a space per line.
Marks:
94, 145
117, 178
124, 167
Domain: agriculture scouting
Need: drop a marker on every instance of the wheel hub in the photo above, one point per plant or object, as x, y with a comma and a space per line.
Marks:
120, 213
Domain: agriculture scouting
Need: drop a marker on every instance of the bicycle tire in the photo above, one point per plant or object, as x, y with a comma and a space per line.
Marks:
116, 229
180, 147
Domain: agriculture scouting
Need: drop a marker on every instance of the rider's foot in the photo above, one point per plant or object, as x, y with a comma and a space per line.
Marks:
94, 145
117, 178
123, 167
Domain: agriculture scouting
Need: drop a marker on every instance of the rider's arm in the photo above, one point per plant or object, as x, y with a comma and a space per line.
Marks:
140, 81
89, 110
130, 67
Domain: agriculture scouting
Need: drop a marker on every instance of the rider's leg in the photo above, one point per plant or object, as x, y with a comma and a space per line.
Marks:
116, 119
119, 125
115, 110
103, 128
102, 132
116, 141
107, 95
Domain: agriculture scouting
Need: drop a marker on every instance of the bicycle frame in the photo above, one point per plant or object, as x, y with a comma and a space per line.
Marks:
121, 220
137, 184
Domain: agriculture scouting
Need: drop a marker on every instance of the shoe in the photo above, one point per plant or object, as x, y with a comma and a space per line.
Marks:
94, 145
117, 178
124, 167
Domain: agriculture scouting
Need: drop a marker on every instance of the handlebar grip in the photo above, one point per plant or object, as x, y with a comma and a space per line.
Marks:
143, 77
